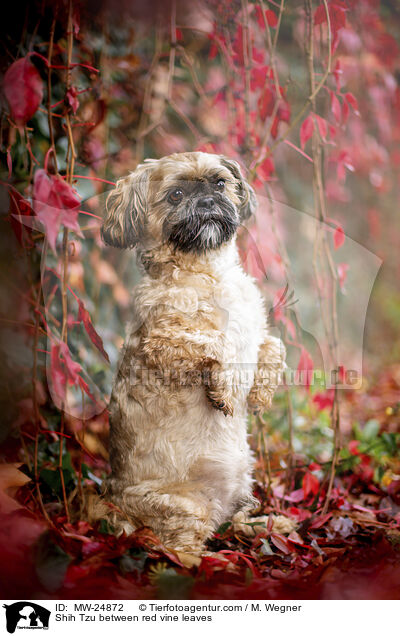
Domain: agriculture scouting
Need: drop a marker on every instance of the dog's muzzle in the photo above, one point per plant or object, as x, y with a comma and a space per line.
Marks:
202, 224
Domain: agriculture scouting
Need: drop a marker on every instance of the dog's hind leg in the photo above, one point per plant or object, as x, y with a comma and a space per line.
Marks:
177, 513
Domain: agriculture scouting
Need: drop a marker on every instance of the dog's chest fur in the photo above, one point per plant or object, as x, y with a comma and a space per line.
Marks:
239, 298
232, 302
173, 434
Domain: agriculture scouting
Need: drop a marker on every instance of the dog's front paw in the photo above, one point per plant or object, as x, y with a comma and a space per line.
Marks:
255, 409
225, 407
260, 398
220, 403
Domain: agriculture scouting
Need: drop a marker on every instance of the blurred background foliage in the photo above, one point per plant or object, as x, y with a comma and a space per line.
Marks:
128, 80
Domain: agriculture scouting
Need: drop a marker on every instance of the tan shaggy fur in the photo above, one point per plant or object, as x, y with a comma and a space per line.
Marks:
197, 354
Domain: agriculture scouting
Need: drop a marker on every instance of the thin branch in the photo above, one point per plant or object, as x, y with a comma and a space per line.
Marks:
322, 253
49, 106
278, 26
142, 129
289, 467
172, 53
197, 134
272, 61
309, 101
192, 70
71, 155
246, 45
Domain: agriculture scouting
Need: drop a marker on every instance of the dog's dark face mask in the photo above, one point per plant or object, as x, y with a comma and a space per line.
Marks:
201, 216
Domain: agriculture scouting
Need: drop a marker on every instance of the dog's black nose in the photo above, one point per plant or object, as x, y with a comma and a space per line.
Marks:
206, 202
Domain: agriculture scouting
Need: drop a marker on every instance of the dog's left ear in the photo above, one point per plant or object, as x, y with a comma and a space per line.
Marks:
126, 208
246, 193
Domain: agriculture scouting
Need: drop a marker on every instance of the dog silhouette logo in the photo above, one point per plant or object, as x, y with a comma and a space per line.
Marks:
26, 615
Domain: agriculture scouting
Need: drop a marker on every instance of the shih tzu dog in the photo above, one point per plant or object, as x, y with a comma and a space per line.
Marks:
197, 356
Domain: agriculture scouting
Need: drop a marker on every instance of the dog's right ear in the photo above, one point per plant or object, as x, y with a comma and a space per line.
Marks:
126, 208
246, 193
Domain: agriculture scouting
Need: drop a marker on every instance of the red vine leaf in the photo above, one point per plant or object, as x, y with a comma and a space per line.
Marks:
85, 388
56, 203
320, 521
213, 51
259, 76
306, 130
324, 400
23, 88
270, 17
266, 103
73, 368
83, 315
265, 169
310, 484
283, 114
353, 447
281, 543
337, 15
322, 126
57, 373
305, 367
63, 369
386, 49
337, 72
72, 99
238, 46
345, 111
338, 237
353, 102
335, 107
20, 208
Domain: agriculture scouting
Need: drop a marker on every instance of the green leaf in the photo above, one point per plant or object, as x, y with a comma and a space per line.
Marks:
85, 470
132, 562
51, 477
370, 430
266, 548
389, 440
258, 525
378, 474
105, 527
172, 585
223, 527
249, 576
51, 563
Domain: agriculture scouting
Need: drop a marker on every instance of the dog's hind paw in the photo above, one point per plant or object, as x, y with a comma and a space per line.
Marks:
251, 526
282, 524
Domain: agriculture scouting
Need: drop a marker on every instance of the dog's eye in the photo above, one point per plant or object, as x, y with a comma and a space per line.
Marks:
220, 184
176, 195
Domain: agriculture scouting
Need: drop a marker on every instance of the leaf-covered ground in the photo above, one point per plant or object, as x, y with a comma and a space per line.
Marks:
350, 550
309, 105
